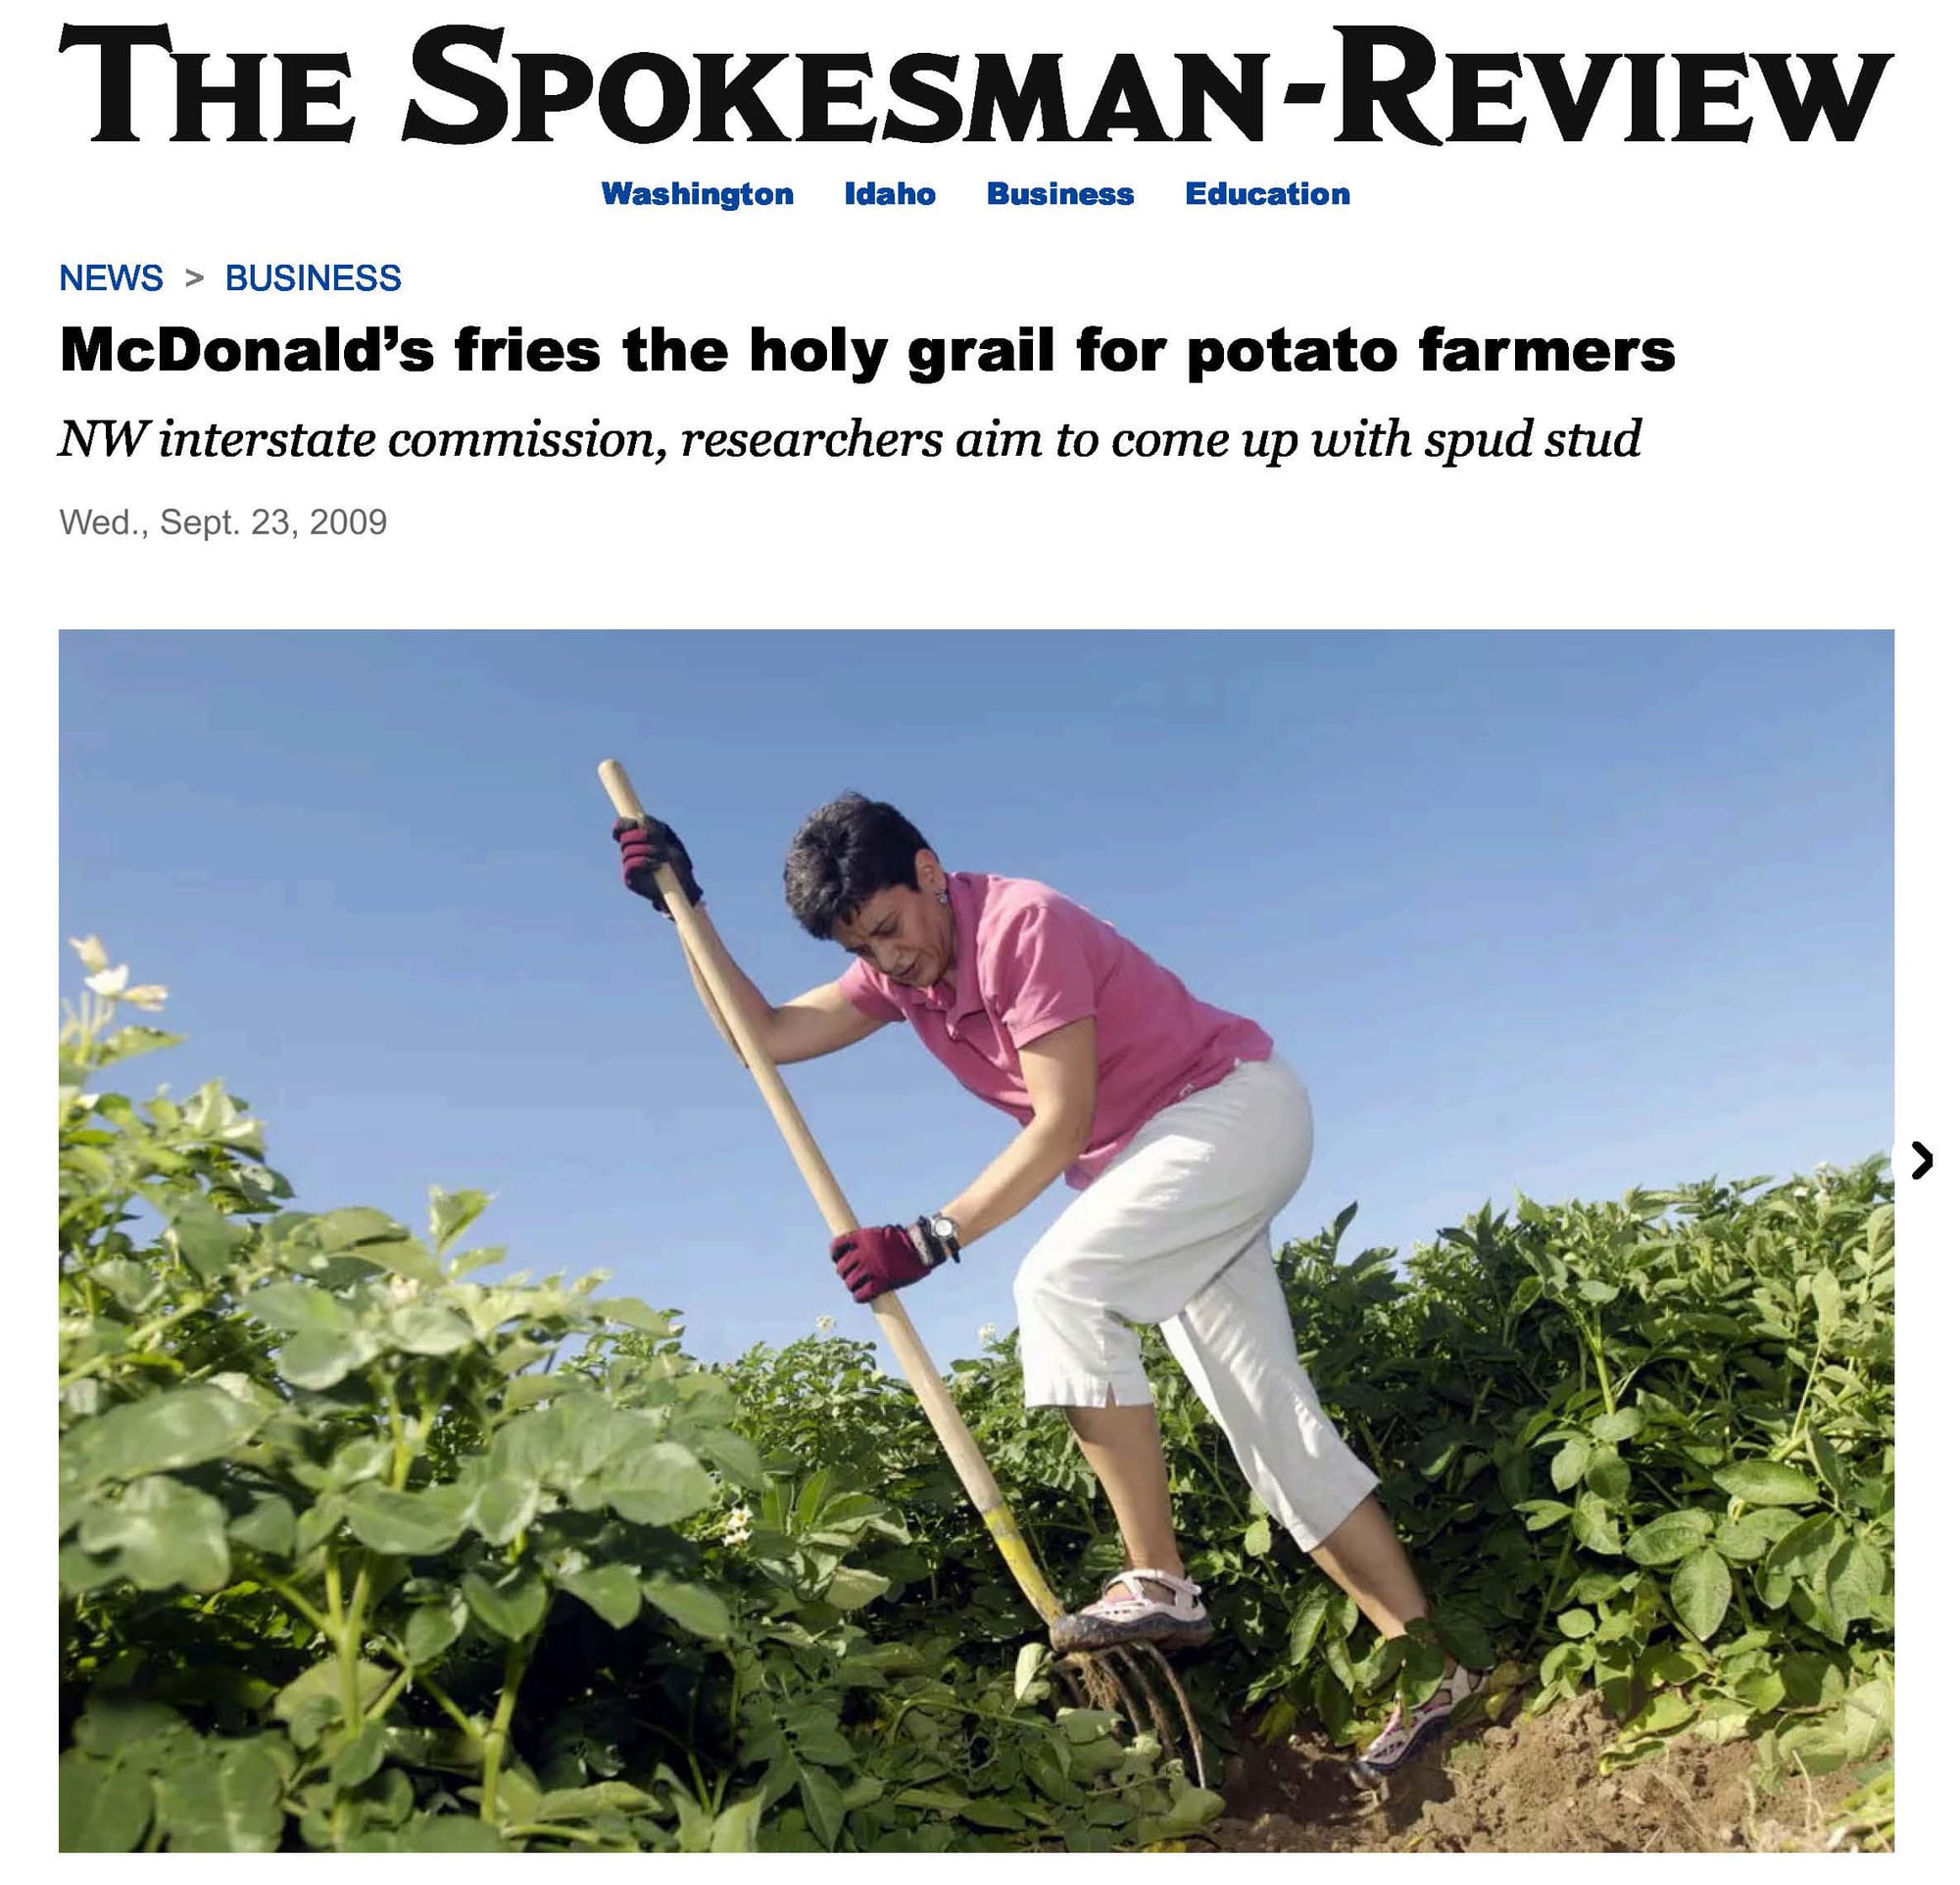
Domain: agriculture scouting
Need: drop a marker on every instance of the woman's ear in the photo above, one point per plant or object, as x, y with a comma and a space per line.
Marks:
931, 874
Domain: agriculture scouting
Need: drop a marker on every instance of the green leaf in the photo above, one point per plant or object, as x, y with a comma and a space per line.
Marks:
612, 1590
269, 1528
1621, 1425
299, 1308
1594, 1526
849, 1589
583, 1803
1671, 1536
1537, 1513
655, 1485
736, 1455
1854, 1578
820, 1804
1194, 1809
1594, 1291
204, 1237
176, 1427
1576, 1623
431, 1628
359, 1758
503, 1507
1701, 1590
1607, 1475
451, 1833
1665, 1713
1568, 1465
736, 1826
320, 1359
103, 1806
1763, 1482
1805, 1549
428, 1328
354, 1225
634, 1314
1829, 1296
512, 1608
407, 1524
694, 1607
452, 1213
229, 1804
164, 1533
1259, 1539
1307, 1621
1027, 1666
402, 1257
322, 1683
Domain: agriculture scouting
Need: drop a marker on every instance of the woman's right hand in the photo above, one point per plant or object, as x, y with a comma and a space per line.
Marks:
644, 846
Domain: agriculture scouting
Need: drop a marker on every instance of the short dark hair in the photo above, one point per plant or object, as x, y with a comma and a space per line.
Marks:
843, 855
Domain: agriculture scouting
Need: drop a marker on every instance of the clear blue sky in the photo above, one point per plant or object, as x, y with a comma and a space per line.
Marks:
1562, 912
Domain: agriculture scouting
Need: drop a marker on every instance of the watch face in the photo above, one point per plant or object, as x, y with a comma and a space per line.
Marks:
943, 1230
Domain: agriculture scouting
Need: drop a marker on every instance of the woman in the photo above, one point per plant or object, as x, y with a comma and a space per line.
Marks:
1185, 1134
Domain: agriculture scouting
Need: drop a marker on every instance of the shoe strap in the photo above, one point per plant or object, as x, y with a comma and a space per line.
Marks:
1180, 1585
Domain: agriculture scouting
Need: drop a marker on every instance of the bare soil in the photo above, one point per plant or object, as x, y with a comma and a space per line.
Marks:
1520, 1786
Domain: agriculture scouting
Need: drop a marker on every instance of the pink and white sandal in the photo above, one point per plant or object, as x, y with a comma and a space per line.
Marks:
1154, 1607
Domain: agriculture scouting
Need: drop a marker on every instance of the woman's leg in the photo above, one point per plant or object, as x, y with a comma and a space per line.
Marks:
1125, 1451
1366, 1558
1191, 1193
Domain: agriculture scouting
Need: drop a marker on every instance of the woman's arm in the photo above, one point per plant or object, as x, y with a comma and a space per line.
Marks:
1060, 1070
821, 1021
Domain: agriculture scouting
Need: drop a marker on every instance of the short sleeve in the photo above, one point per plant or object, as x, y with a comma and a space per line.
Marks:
1042, 973
859, 985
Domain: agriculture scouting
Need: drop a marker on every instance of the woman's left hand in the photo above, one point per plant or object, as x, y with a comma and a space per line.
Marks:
878, 1258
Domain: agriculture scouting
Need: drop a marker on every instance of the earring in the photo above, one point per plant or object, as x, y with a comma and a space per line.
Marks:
944, 898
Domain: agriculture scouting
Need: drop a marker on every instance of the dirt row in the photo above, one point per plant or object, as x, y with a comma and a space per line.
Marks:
1521, 1786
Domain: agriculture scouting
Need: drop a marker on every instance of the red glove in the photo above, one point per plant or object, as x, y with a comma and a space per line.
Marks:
887, 1257
640, 848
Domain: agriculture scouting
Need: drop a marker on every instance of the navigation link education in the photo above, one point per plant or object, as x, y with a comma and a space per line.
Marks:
1200, 194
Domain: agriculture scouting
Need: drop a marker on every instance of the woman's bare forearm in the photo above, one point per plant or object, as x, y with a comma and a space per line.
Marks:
1032, 1160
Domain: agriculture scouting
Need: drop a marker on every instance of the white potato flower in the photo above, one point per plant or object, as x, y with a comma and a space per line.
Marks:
109, 981
987, 1331
146, 995
825, 1324
94, 957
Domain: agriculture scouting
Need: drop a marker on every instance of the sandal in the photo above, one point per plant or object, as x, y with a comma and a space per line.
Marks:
1408, 1730
1172, 1613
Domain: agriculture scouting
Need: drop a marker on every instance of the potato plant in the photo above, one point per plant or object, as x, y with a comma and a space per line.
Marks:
362, 1551
367, 1546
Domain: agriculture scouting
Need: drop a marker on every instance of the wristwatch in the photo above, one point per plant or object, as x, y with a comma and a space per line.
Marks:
941, 1238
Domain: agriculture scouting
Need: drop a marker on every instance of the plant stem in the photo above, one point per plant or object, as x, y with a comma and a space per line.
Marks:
386, 1699
515, 1658
293, 1598
1790, 1445
533, 1829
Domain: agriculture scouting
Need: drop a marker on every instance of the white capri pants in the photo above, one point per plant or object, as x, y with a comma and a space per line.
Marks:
1175, 1231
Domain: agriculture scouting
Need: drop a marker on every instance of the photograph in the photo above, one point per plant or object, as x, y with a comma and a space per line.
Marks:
1399, 1358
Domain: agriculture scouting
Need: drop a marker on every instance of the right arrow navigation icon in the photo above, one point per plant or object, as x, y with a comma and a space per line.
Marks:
1924, 1160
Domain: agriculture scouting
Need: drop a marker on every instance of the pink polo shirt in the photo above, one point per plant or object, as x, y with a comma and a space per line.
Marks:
1026, 961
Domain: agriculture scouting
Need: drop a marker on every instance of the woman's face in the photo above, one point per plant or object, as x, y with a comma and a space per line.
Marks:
905, 934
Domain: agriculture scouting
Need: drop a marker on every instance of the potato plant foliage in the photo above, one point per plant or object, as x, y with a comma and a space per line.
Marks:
364, 1546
